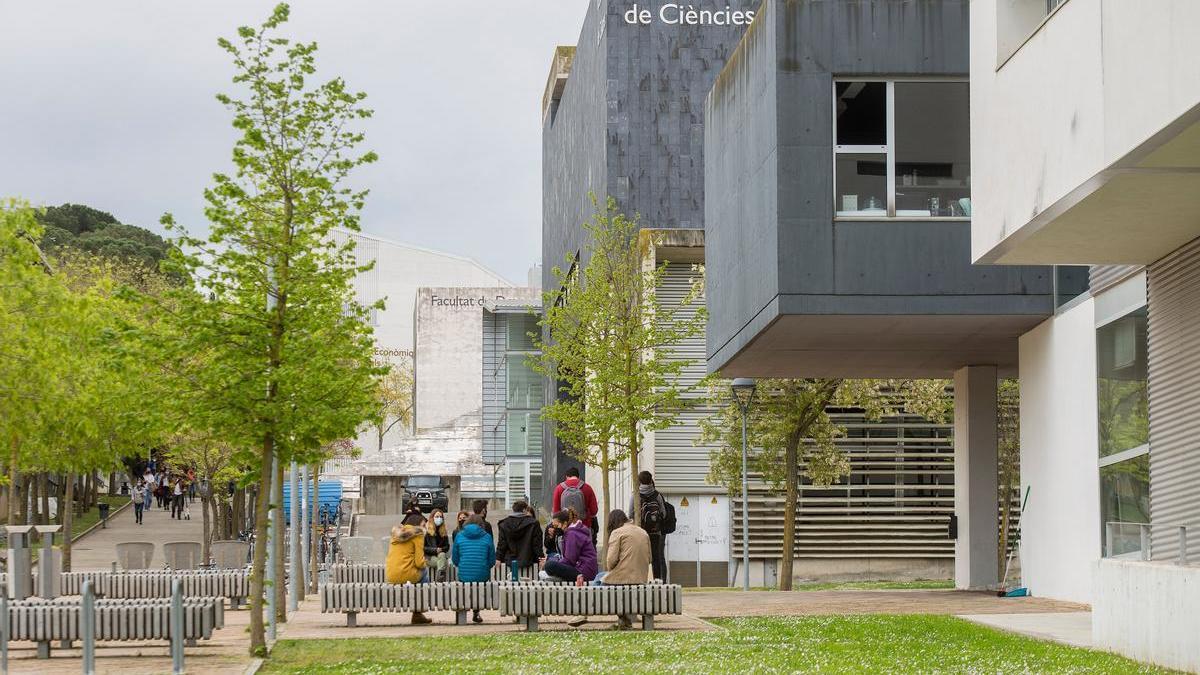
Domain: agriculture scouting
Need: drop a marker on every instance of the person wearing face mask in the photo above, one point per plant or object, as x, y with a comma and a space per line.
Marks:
437, 545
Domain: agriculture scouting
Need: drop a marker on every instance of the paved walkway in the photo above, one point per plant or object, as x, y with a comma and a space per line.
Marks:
1072, 628
799, 603
98, 549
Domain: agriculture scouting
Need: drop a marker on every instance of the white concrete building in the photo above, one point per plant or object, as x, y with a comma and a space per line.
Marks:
399, 273
1086, 150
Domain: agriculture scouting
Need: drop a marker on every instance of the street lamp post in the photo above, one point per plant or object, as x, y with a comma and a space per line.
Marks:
743, 393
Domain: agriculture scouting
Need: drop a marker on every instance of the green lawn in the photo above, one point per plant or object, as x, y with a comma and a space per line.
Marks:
825, 644
92, 515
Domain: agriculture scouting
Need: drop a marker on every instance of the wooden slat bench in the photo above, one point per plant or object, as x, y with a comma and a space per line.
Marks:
528, 602
44, 621
343, 573
459, 597
231, 584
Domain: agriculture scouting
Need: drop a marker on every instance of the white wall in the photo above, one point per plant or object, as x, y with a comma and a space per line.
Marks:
1060, 529
1148, 612
1098, 78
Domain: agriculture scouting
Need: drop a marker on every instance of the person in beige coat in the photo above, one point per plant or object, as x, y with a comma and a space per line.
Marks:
627, 558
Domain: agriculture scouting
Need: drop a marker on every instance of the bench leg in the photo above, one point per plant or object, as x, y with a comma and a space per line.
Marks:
460, 617
531, 623
351, 619
189, 642
647, 622
64, 644
43, 649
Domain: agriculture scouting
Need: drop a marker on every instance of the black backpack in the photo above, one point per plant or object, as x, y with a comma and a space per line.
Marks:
658, 515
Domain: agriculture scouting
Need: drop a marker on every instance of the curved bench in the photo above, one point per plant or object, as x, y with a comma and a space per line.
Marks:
232, 584
527, 602
459, 597
44, 621
373, 573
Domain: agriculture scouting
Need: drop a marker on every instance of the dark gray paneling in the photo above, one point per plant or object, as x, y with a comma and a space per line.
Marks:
826, 267
741, 209
630, 125
931, 258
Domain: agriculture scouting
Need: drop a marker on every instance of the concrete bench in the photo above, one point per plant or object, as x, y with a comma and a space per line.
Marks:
458, 597
343, 573
527, 602
44, 621
232, 584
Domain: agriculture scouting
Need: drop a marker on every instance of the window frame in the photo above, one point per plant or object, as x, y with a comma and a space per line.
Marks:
888, 150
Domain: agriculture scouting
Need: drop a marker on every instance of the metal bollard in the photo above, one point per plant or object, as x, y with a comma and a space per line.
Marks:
87, 627
1183, 552
3, 632
176, 626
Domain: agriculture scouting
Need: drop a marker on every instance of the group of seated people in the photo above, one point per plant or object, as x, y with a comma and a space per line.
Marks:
565, 550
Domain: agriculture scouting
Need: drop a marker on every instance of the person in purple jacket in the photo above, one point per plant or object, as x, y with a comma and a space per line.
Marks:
577, 561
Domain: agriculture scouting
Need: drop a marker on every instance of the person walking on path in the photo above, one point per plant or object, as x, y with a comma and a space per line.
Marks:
474, 555
577, 562
627, 557
177, 499
520, 537
191, 485
657, 519
437, 544
139, 501
573, 493
148, 482
406, 557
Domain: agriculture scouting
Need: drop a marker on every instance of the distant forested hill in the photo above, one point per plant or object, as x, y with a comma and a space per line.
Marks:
88, 229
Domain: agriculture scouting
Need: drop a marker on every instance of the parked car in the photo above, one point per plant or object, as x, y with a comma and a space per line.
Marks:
426, 493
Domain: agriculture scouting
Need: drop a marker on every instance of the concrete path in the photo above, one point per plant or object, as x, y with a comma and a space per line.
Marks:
1072, 628
98, 549
799, 603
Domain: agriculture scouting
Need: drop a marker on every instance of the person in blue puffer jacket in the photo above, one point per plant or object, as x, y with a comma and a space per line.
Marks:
473, 554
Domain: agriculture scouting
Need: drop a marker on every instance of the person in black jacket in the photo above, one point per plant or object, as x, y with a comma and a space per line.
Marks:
520, 537
437, 544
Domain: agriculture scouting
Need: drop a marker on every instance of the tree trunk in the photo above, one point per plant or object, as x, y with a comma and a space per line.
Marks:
791, 456
45, 490
315, 507
280, 551
606, 486
206, 538
14, 482
68, 521
636, 516
34, 500
112, 484
60, 497
238, 511
258, 564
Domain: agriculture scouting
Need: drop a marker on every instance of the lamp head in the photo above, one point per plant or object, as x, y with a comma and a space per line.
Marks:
743, 391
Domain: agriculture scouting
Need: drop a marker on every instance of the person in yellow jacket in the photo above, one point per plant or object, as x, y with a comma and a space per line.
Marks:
406, 556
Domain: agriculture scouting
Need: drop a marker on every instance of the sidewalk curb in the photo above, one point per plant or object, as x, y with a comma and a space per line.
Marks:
111, 514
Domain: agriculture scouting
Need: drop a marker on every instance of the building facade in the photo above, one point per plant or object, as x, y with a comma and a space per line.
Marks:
1085, 120
513, 397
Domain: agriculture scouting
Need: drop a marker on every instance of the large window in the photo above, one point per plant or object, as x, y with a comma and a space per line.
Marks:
902, 150
1122, 412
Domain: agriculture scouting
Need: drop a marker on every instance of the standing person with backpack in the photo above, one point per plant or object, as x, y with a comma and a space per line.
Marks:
657, 519
139, 501
573, 493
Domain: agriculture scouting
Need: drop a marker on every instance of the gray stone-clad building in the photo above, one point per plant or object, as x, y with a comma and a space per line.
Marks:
623, 116
837, 223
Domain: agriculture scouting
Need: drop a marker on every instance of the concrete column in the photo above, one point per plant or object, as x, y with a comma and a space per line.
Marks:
975, 478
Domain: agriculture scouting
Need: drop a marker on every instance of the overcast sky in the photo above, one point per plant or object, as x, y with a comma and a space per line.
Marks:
111, 104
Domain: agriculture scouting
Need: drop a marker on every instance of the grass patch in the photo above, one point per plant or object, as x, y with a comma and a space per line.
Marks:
92, 515
825, 644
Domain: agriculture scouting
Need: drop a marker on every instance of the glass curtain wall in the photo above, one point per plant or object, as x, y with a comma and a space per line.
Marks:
1123, 414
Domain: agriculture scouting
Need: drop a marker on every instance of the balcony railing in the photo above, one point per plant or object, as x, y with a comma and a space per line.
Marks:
1132, 541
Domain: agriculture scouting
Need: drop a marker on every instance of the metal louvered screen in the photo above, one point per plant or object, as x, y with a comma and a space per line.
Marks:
1173, 290
495, 389
679, 464
897, 502
1101, 277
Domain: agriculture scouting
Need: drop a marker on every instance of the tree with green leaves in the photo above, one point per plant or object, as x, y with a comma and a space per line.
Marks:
394, 397
793, 437
83, 228
285, 346
611, 348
